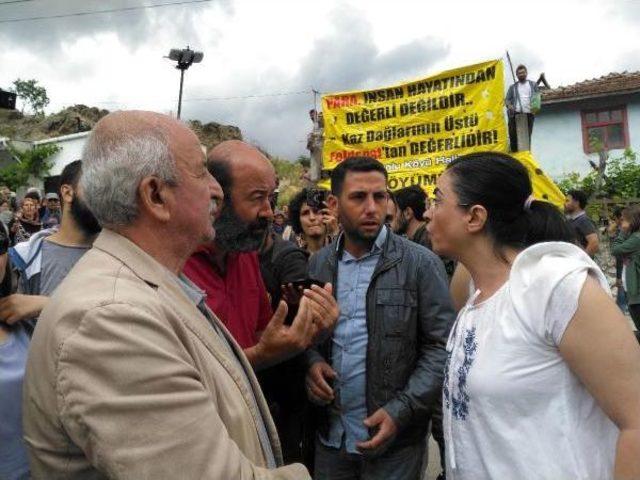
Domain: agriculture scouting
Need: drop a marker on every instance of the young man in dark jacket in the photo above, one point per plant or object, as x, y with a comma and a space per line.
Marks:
380, 372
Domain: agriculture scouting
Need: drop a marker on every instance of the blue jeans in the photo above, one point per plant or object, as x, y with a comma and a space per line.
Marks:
405, 463
621, 300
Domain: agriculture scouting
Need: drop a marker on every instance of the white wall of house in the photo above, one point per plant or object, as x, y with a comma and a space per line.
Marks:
71, 150
557, 134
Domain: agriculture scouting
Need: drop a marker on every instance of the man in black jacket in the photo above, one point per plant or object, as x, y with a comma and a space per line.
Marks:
382, 369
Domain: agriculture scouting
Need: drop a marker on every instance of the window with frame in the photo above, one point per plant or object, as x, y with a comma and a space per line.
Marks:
605, 127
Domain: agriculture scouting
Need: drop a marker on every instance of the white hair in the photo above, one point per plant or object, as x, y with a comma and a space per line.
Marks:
113, 167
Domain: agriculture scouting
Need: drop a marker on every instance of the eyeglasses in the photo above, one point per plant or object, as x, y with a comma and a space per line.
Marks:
437, 201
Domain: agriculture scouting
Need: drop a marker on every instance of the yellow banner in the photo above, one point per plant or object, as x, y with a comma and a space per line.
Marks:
416, 129
543, 186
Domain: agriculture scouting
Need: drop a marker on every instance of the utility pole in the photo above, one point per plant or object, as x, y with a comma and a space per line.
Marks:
185, 58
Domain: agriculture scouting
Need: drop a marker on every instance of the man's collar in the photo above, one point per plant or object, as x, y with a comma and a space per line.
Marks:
380, 239
377, 246
573, 216
195, 294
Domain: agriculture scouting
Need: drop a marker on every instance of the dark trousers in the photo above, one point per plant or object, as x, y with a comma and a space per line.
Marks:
634, 311
437, 431
404, 463
513, 132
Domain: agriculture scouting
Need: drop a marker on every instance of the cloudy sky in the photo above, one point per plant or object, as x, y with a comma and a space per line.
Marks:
262, 48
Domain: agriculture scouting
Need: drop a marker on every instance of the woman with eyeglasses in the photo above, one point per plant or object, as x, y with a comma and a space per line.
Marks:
542, 379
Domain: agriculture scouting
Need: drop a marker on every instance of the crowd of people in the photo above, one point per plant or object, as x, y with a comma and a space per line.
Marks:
175, 324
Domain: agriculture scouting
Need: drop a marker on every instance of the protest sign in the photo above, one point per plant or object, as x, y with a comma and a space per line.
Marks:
416, 129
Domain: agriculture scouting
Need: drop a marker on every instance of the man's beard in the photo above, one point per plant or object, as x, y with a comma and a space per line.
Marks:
234, 235
359, 236
85, 220
402, 225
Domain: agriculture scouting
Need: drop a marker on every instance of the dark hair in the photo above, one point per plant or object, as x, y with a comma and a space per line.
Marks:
521, 67
579, 196
632, 215
70, 175
32, 196
221, 171
354, 164
617, 211
295, 207
392, 197
502, 186
413, 197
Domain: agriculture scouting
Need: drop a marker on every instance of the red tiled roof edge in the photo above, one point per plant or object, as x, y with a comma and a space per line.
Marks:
613, 83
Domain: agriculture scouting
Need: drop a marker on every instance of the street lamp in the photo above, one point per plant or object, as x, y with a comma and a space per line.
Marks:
185, 58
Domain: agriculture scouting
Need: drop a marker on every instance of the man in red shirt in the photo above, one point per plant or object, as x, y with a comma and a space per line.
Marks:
228, 269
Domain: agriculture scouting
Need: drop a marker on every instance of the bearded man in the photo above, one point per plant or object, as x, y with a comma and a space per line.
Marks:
228, 269
41, 262
46, 258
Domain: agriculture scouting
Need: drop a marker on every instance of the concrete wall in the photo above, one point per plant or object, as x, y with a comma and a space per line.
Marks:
557, 134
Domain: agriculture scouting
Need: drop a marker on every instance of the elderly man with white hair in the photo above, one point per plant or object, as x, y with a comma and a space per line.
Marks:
130, 375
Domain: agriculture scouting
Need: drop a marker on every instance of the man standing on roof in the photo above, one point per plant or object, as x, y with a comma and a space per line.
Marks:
518, 101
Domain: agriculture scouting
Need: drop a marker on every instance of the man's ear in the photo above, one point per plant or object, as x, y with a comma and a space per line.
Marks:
477, 218
407, 213
66, 195
155, 196
332, 203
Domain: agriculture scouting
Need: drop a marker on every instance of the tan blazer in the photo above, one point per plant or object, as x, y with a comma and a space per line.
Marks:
126, 379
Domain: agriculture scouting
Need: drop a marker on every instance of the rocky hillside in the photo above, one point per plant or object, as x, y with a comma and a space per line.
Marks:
78, 118
81, 118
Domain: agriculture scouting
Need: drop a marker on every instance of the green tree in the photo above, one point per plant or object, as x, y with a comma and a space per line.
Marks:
623, 176
570, 181
31, 94
290, 178
304, 160
33, 163
620, 179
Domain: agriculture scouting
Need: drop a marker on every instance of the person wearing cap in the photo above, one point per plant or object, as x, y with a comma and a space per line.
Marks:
52, 213
279, 222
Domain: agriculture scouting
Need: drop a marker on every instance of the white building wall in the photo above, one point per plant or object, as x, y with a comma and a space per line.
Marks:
557, 135
71, 150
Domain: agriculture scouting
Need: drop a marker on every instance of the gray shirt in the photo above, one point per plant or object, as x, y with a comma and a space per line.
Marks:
583, 226
57, 262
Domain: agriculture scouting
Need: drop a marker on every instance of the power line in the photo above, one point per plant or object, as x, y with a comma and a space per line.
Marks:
96, 12
15, 1
207, 99
211, 99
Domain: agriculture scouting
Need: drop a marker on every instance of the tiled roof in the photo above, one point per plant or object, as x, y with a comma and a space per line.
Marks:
614, 83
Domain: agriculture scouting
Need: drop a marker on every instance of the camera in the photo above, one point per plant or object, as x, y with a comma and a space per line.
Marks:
317, 199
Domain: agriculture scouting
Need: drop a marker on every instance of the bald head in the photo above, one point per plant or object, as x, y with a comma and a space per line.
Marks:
233, 158
125, 147
121, 125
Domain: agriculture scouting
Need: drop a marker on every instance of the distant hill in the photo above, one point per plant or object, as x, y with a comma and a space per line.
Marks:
80, 118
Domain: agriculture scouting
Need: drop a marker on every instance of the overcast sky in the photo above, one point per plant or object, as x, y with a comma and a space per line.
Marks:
257, 47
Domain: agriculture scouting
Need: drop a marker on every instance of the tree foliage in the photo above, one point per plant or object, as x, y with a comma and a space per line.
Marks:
621, 178
31, 94
33, 163
289, 177
305, 161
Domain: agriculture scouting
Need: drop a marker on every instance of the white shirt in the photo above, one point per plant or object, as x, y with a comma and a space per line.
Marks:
512, 407
524, 92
